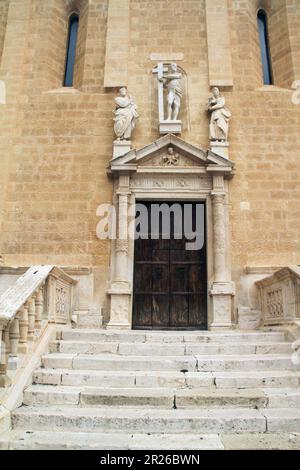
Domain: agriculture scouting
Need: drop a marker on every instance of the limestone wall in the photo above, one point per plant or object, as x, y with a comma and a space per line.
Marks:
56, 144
3, 18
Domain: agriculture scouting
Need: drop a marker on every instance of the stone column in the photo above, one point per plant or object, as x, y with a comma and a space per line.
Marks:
121, 260
222, 289
120, 289
219, 237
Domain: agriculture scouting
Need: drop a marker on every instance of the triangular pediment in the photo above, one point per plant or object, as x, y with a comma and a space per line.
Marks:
170, 152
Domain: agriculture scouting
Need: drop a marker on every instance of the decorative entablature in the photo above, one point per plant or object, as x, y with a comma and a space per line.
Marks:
170, 155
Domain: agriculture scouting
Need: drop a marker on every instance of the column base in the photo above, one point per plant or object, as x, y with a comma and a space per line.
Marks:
120, 315
222, 294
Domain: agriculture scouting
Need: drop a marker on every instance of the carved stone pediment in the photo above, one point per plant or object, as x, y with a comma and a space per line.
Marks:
169, 158
171, 154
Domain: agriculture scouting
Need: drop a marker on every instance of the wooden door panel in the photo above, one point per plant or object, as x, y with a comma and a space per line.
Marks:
170, 283
160, 255
197, 279
160, 310
179, 255
179, 313
160, 278
197, 310
143, 310
142, 250
143, 280
179, 278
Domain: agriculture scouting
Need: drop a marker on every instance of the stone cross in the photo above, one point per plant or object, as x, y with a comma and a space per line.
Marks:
159, 70
166, 126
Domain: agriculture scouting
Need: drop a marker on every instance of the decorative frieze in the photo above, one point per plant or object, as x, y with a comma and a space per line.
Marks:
171, 182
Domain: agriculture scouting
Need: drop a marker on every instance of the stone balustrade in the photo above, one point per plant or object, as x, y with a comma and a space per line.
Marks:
42, 295
280, 296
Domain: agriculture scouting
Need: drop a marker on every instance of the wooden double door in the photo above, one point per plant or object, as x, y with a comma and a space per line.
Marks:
170, 282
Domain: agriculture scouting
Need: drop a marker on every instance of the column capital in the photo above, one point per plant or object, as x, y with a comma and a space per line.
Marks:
218, 195
123, 192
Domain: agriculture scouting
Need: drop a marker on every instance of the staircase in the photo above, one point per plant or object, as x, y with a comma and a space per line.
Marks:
100, 389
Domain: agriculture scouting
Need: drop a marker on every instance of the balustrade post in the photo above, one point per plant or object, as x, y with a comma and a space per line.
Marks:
14, 336
39, 306
5, 381
31, 318
23, 324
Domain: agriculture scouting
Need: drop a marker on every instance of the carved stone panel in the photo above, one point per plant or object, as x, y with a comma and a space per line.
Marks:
274, 301
62, 302
59, 299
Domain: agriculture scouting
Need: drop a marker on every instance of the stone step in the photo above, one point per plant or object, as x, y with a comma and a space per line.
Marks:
243, 363
253, 379
113, 362
132, 420
119, 378
239, 348
262, 441
283, 397
48, 440
167, 398
282, 419
112, 336
169, 349
227, 379
200, 363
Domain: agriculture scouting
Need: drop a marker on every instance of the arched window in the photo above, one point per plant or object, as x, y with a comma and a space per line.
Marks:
262, 22
71, 49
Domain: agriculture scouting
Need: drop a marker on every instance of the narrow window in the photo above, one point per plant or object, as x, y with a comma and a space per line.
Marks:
262, 21
71, 49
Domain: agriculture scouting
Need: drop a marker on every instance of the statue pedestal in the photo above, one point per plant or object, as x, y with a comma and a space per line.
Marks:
222, 294
119, 308
170, 127
220, 148
121, 147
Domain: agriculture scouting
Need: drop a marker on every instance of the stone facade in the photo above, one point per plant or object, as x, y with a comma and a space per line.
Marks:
56, 143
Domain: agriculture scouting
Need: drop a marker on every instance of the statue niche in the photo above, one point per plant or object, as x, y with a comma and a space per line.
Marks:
170, 91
